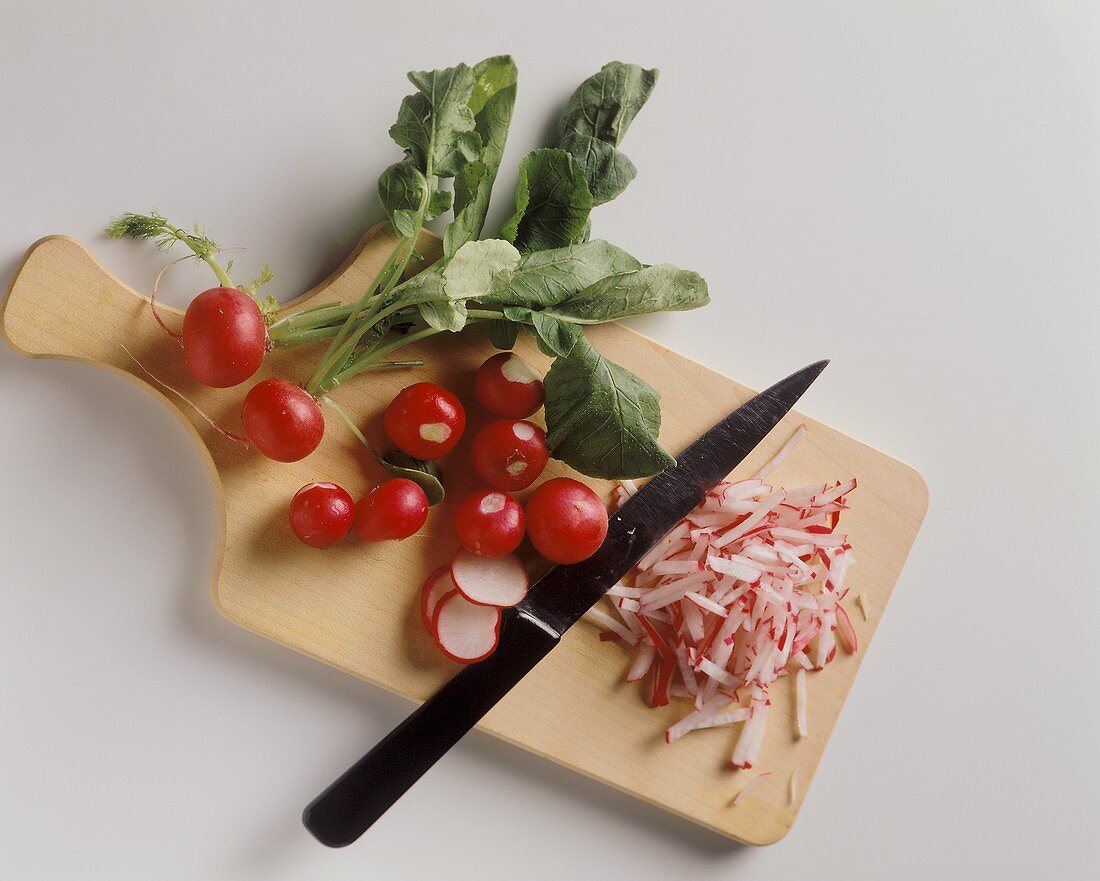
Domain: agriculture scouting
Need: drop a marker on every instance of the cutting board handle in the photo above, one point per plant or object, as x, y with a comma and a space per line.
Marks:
63, 304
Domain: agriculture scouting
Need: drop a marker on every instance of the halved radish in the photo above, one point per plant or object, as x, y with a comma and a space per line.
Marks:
464, 631
437, 586
489, 581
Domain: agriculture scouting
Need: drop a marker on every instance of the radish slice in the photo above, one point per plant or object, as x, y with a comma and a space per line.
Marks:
489, 581
436, 587
465, 631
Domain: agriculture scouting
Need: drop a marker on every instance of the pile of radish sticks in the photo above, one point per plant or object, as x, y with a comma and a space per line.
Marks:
745, 590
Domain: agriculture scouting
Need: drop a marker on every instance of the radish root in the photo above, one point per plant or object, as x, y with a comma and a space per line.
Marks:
173, 334
224, 432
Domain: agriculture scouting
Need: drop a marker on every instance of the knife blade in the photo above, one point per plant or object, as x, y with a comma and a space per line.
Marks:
531, 630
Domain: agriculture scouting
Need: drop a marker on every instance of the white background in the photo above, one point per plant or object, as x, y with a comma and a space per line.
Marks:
909, 188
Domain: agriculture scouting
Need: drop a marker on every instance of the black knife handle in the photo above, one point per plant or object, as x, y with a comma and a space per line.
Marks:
350, 806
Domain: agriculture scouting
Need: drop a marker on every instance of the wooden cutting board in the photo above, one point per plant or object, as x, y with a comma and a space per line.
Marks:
354, 606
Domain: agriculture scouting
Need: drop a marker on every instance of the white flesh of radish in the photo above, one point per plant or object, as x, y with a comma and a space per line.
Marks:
495, 581
800, 700
783, 453
438, 585
465, 631
744, 591
517, 370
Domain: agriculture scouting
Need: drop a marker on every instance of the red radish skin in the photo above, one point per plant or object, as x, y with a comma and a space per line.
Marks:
425, 420
490, 523
282, 420
506, 385
436, 588
391, 511
566, 520
509, 454
489, 581
464, 631
321, 514
224, 337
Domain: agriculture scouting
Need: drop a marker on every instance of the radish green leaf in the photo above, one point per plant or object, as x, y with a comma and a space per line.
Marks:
552, 202
602, 419
491, 101
663, 288
595, 121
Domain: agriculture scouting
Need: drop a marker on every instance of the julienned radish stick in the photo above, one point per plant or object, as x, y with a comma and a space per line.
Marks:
745, 591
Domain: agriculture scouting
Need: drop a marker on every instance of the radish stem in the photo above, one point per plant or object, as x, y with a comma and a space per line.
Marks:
370, 361
338, 352
347, 420
203, 252
154, 226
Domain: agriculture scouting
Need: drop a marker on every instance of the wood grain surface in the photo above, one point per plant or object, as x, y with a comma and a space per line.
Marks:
354, 606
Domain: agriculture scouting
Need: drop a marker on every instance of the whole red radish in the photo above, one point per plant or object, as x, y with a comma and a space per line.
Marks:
282, 420
425, 420
321, 514
224, 337
391, 511
489, 522
567, 522
507, 385
509, 454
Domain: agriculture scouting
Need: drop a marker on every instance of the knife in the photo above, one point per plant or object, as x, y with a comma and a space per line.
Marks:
531, 630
